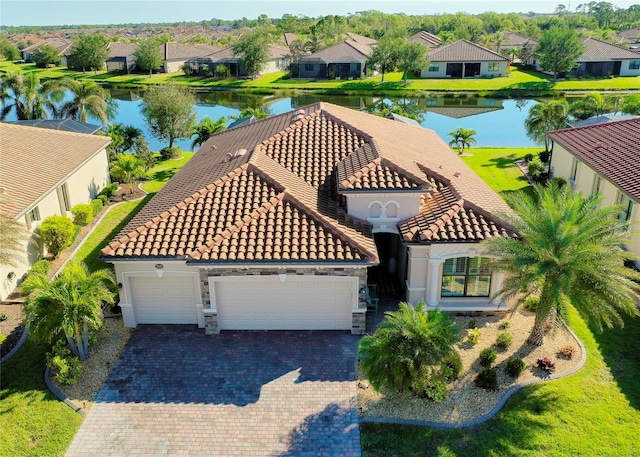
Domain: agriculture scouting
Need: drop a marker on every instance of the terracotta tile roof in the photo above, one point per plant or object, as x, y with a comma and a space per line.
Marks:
427, 39
33, 161
598, 51
611, 149
463, 51
266, 192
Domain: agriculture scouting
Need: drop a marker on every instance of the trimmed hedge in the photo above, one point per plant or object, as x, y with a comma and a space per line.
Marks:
57, 232
82, 214
96, 206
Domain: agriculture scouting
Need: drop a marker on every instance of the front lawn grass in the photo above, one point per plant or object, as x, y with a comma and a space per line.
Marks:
593, 412
33, 422
496, 167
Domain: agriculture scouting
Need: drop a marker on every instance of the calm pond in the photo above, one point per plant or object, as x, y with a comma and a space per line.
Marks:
498, 122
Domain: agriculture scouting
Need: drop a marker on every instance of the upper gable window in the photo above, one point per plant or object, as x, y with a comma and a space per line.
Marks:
392, 210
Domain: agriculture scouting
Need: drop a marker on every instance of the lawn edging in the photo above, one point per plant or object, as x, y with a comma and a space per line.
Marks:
62, 397
512, 390
18, 345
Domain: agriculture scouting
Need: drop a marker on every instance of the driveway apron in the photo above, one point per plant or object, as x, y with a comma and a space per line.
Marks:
176, 391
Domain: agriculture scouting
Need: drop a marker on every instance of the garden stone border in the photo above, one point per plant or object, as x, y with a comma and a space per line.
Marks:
62, 397
513, 389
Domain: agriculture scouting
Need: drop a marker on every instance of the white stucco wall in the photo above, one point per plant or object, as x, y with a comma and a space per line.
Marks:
90, 179
626, 71
484, 70
561, 162
395, 206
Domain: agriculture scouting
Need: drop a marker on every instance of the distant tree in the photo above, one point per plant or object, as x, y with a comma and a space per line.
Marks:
8, 50
631, 104
545, 117
127, 169
253, 49
222, 71
462, 138
89, 51
88, 99
148, 55
385, 55
46, 55
205, 128
169, 112
594, 104
25, 94
412, 58
525, 53
558, 50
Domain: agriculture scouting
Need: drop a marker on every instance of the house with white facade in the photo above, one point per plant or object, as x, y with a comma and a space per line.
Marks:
45, 172
604, 159
278, 224
464, 59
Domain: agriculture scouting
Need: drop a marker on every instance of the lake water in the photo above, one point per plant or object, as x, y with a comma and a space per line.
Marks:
497, 122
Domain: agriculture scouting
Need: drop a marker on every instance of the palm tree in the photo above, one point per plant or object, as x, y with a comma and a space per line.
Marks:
25, 94
594, 104
69, 305
408, 341
13, 234
89, 99
462, 138
543, 118
127, 169
568, 252
205, 128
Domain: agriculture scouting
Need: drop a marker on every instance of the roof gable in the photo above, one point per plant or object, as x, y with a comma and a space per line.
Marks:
463, 51
611, 149
427, 39
346, 49
598, 51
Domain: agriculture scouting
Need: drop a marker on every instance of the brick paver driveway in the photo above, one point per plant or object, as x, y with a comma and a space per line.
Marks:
176, 391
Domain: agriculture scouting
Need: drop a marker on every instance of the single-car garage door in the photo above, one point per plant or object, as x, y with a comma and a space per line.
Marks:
298, 303
166, 300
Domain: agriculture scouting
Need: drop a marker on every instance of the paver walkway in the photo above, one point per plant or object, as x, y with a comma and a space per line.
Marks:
176, 391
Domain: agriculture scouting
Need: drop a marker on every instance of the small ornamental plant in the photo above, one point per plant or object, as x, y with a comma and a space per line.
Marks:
504, 325
567, 352
473, 323
515, 367
473, 335
487, 379
504, 340
546, 365
487, 357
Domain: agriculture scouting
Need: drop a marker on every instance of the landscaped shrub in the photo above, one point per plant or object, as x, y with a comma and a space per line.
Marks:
82, 214
504, 340
487, 357
487, 379
65, 367
168, 153
110, 190
528, 157
558, 181
430, 384
567, 352
546, 365
103, 198
515, 367
3, 317
531, 303
536, 170
473, 335
57, 233
96, 206
543, 156
451, 366
42, 266
473, 323
504, 325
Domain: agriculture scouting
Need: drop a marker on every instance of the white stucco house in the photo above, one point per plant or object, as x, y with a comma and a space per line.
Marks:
45, 172
603, 158
274, 225
464, 59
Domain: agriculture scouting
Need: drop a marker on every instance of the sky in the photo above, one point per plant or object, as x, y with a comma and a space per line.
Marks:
77, 12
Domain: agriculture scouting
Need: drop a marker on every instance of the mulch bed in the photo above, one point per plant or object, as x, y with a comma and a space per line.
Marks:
12, 327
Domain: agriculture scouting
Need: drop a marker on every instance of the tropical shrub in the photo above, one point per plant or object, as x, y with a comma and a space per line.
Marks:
515, 367
57, 232
487, 357
96, 206
452, 366
543, 156
42, 266
567, 352
430, 383
504, 340
531, 303
536, 170
169, 153
65, 367
504, 325
409, 344
82, 214
109, 190
104, 199
3, 317
546, 365
487, 379
473, 335
528, 157
222, 71
558, 181
473, 323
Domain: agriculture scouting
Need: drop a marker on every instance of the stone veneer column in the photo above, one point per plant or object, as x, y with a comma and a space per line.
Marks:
434, 283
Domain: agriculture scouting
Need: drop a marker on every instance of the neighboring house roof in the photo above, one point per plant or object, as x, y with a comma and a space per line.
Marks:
428, 39
360, 39
515, 40
60, 44
65, 125
35, 161
288, 38
264, 192
227, 55
611, 149
597, 51
463, 51
602, 119
345, 51
119, 49
630, 35
458, 112
178, 51
243, 121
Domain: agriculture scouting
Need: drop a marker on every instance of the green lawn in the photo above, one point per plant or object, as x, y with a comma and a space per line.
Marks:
517, 82
593, 412
33, 422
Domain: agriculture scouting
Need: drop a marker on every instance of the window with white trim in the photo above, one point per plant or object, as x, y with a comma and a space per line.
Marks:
434, 66
634, 65
494, 66
63, 196
574, 171
32, 216
626, 207
466, 277
597, 184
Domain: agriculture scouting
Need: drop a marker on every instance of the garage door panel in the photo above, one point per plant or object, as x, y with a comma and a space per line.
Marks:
166, 300
290, 305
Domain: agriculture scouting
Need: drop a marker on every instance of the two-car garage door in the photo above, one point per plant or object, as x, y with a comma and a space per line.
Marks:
293, 303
